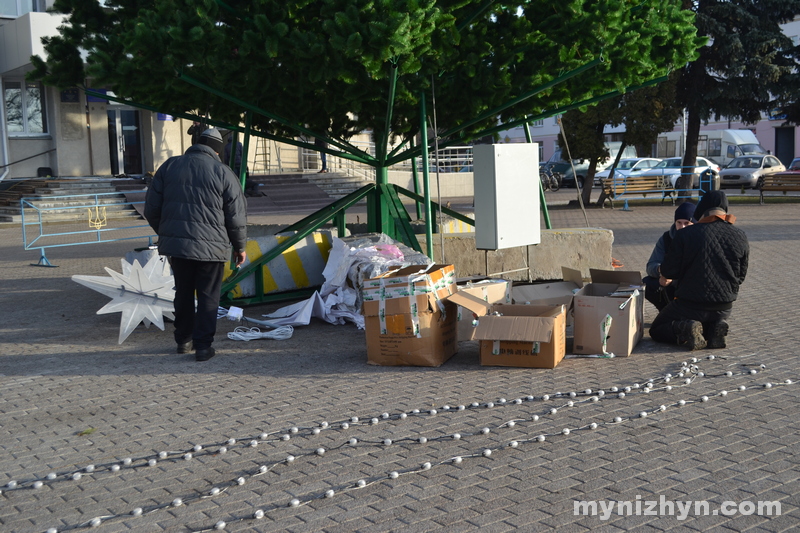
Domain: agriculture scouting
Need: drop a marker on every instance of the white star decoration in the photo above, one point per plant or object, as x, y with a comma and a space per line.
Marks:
139, 293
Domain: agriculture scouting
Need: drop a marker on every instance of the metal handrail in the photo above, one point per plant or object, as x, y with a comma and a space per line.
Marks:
26, 158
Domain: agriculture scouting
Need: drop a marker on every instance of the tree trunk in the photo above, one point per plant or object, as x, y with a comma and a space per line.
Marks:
588, 183
685, 181
602, 198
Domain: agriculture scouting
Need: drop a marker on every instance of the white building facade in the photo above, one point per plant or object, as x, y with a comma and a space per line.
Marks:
48, 132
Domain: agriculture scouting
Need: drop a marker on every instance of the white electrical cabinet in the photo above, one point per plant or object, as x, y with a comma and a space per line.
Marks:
506, 195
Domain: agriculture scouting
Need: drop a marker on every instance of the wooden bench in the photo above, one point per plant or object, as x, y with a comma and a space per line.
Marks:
617, 187
780, 181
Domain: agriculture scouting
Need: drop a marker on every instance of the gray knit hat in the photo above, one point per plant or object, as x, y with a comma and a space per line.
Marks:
212, 138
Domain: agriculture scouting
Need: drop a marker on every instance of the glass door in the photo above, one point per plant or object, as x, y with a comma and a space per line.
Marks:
125, 142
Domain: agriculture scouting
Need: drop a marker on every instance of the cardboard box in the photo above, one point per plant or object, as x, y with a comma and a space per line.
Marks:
529, 336
488, 291
439, 280
617, 295
551, 292
426, 337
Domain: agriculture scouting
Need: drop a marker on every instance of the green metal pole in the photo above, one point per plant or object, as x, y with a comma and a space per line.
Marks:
234, 136
382, 211
383, 147
415, 180
248, 122
542, 201
423, 121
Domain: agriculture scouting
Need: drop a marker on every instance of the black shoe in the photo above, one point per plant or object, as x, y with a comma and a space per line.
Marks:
205, 354
717, 332
184, 347
690, 333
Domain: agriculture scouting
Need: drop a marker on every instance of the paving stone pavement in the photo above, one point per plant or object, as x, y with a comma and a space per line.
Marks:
63, 373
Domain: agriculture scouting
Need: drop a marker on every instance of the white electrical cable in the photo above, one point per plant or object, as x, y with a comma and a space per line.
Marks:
242, 333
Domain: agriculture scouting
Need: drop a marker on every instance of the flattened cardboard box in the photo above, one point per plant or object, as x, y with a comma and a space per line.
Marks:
611, 293
490, 291
528, 336
417, 333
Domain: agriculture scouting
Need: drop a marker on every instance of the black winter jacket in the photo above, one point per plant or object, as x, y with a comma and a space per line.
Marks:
709, 260
196, 206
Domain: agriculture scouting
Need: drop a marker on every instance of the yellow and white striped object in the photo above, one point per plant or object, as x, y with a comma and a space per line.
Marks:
298, 267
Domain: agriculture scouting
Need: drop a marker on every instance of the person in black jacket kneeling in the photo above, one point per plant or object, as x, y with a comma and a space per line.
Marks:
196, 206
709, 260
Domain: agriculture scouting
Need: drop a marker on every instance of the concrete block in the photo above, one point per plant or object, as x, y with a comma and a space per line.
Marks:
578, 248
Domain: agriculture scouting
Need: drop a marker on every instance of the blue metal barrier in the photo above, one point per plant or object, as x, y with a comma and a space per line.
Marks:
705, 183
56, 221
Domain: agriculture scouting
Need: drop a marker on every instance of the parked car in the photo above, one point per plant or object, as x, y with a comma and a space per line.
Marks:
747, 170
672, 168
633, 166
794, 165
581, 166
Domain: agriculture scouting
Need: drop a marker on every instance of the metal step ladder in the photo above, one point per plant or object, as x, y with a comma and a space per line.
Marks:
263, 156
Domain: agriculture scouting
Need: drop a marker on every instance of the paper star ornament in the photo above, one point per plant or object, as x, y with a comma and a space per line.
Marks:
141, 293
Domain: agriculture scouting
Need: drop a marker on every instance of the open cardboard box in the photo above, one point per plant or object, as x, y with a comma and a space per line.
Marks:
417, 329
488, 291
529, 336
615, 294
550, 292
411, 280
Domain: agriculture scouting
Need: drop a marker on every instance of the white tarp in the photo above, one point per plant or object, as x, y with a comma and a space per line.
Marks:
351, 260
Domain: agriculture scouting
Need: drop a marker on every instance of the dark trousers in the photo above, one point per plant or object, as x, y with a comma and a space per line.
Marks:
662, 328
205, 279
656, 294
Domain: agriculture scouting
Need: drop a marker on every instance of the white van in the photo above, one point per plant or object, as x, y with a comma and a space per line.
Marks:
721, 146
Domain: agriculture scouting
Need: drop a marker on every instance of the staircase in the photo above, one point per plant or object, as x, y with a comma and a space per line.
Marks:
338, 184
286, 193
47, 194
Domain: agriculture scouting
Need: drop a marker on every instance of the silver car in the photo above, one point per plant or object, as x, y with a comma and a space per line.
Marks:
672, 168
748, 169
632, 166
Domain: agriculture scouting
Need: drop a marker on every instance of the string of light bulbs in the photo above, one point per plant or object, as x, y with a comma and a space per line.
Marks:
685, 376
295, 431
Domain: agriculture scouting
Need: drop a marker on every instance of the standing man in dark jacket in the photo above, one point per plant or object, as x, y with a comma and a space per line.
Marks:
196, 206
196, 130
709, 259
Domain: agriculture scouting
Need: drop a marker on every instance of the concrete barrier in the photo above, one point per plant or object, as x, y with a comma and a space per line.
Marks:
579, 248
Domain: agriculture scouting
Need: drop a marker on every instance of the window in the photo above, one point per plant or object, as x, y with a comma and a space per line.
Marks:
17, 8
714, 147
537, 123
24, 105
702, 145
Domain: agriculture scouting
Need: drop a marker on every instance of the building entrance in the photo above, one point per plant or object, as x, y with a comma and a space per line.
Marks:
125, 141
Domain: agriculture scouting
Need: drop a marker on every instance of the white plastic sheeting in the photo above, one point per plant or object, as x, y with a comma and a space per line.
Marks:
350, 262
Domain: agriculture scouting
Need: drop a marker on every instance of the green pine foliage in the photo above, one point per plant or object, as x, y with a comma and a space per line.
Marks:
748, 63
327, 64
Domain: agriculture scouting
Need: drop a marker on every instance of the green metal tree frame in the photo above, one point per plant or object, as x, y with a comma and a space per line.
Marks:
386, 213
